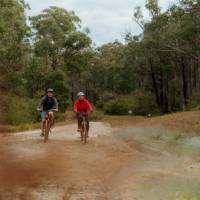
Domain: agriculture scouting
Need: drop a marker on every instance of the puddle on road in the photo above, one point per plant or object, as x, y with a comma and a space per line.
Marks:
170, 165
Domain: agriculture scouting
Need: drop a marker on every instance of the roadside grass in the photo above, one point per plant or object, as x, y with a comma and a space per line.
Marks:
187, 122
149, 133
167, 150
12, 128
189, 197
60, 119
177, 141
69, 117
124, 120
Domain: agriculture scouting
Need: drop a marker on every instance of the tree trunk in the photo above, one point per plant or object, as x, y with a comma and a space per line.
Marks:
185, 84
154, 82
72, 91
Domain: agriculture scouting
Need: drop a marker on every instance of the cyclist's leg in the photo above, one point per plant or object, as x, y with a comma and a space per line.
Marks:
79, 124
79, 120
51, 116
42, 122
88, 123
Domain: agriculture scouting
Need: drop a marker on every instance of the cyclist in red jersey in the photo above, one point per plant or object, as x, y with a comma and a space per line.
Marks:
82, 105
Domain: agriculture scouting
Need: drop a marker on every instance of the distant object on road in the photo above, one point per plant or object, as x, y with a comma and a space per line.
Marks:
149, 115
130, 112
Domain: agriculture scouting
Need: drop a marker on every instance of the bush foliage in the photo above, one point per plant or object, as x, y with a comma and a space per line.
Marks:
139, 104
18, 110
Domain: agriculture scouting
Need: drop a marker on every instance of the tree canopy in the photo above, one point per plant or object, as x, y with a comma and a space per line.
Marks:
157, 71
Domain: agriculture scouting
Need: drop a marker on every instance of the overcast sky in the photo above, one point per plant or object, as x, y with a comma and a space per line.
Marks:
107, 19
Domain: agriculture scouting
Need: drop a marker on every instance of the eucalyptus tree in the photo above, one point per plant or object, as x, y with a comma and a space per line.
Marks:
61, 42
13, 41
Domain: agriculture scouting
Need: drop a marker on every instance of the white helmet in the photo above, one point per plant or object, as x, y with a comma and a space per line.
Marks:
80, 94
50, 90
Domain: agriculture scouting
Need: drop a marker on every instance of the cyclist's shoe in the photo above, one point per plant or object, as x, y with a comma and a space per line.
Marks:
42, 134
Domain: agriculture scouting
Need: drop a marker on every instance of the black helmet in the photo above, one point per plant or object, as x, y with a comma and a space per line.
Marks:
50, 90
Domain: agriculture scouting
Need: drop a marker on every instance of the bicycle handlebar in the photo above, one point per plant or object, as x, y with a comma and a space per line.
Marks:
52, 110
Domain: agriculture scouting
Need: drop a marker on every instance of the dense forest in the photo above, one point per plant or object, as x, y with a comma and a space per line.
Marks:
156, 72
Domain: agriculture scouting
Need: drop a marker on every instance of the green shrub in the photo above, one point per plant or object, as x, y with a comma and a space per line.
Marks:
18, 110
140, 104
144, 103
119, 106
60, 116
70, 115
195, 101
96, 115
106, 96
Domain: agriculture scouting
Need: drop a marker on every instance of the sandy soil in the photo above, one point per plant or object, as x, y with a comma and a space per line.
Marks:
63, 168
108, 167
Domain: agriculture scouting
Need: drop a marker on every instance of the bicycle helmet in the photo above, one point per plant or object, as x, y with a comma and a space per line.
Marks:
80, 94
50, 90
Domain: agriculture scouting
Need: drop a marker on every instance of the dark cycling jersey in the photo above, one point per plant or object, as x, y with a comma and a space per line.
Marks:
48, 103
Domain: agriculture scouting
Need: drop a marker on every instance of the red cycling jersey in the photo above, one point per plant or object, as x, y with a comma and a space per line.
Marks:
82, 106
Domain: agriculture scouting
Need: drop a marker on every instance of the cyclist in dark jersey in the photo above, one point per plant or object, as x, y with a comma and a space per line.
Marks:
49, 104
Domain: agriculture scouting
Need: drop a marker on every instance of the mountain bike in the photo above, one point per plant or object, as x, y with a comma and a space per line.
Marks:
48, 123
84, 127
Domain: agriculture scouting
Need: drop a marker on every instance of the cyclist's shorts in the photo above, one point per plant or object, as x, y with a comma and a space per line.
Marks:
43, 114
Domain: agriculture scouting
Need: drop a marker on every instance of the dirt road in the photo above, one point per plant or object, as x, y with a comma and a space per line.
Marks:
116, 164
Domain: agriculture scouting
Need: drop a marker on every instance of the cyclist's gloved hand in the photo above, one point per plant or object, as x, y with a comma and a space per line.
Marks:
39, 109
